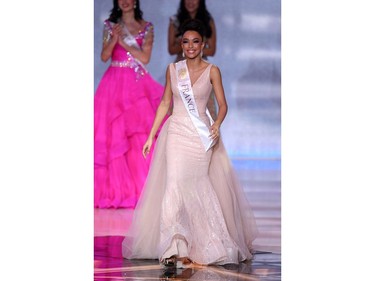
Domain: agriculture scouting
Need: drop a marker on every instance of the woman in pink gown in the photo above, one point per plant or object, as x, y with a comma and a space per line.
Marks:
125, 103
192, 208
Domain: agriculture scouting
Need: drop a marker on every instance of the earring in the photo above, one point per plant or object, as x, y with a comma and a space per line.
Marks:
201, 53
183, 54
135, 5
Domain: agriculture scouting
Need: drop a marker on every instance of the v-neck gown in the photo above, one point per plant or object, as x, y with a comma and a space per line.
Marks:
192, 204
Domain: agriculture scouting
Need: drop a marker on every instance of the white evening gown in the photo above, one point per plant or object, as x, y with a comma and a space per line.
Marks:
192, 204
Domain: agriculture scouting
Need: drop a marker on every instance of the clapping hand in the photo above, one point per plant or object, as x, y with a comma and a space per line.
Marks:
116, 32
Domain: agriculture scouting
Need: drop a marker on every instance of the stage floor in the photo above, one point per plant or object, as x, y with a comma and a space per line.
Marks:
109, 265
261, 181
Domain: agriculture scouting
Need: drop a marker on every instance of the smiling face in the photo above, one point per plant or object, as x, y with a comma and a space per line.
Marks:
192, 44
126, 5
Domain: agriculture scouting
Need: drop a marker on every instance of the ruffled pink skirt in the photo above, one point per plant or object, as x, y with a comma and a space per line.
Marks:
124, 110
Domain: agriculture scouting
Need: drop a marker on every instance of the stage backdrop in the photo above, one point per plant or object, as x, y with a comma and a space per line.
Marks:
248, 54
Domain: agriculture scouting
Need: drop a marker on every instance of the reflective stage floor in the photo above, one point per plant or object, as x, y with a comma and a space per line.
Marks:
261, 181
109, 265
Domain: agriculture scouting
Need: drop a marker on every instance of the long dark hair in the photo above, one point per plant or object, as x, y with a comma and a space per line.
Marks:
202, 14
116, 12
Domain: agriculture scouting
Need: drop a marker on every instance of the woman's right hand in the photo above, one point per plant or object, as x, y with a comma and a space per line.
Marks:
116, 32
147, 147
108, 45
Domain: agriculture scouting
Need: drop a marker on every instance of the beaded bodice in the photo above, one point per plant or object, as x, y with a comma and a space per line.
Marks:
120, 56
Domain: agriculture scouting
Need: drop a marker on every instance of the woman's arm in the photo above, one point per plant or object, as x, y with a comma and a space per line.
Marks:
161, 112
110, 38
143, 54
174, 46
210, 47
217, 85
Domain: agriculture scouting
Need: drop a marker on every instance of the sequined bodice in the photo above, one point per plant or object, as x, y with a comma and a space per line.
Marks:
120, 54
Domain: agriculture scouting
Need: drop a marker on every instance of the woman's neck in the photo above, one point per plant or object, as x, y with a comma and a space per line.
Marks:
194, 63
128, 17
193, 15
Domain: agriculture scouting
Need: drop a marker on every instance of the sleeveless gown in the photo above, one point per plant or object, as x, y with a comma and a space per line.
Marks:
192, 204
211, 104
124, 108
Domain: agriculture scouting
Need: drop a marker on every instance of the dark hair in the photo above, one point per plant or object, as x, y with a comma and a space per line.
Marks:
202, 14
194, 25
116, 12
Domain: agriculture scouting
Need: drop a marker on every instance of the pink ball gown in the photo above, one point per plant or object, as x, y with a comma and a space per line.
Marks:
125, 104
192, 204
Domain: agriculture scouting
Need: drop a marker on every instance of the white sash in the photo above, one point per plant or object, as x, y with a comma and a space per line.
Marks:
187, 96
128, 38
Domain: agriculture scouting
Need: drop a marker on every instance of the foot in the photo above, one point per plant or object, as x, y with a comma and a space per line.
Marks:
184, 263
170, 262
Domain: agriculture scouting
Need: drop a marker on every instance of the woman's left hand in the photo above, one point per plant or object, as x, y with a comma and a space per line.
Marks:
147, 147
215, 131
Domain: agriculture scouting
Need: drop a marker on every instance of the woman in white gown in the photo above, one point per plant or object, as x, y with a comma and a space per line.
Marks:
192, 208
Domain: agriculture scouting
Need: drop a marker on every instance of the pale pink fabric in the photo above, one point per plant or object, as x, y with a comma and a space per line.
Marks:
192, 203
125, 103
